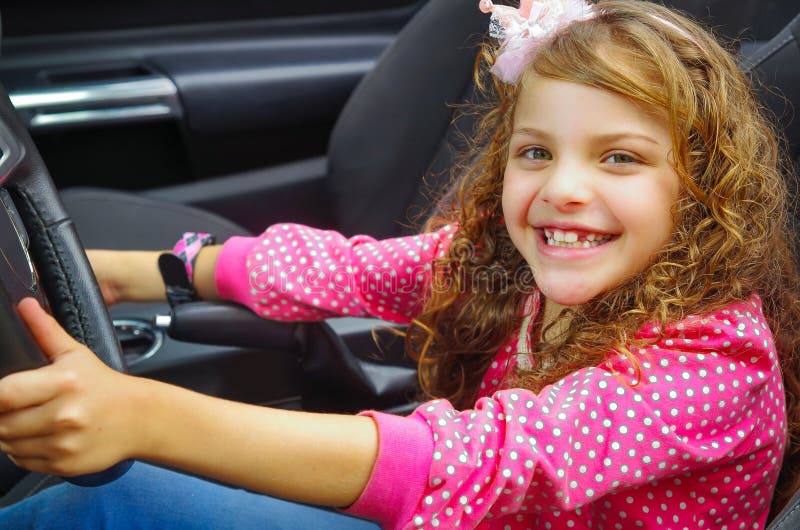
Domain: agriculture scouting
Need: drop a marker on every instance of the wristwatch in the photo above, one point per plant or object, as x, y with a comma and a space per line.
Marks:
177, 267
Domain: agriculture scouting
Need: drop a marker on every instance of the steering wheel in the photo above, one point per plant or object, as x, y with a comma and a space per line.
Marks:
64, 275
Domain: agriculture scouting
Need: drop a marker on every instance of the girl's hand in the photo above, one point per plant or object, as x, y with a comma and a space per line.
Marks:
69, 418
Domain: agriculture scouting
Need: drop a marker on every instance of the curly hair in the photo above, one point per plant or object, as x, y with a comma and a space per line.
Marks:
733, 230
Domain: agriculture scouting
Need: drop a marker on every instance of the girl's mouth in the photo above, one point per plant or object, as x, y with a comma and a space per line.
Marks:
574, 239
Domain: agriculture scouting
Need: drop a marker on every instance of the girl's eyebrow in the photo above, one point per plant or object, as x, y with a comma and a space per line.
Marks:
530, 131
600, 138
613, 137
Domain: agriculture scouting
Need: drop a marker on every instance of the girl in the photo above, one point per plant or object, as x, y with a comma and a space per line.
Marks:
608, 303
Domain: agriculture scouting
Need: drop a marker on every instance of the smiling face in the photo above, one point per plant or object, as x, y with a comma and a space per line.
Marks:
588, 189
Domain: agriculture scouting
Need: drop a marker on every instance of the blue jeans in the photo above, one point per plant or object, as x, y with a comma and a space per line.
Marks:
152, 497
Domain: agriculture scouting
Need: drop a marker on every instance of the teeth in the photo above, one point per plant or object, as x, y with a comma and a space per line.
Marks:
569, 239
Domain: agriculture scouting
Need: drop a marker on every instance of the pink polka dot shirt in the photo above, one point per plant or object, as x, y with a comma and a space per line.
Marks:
695, 442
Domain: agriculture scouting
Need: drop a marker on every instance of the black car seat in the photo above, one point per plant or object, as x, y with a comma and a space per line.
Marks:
776, 69
396, 127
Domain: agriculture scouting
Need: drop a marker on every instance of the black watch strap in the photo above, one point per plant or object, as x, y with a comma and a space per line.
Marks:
178, 286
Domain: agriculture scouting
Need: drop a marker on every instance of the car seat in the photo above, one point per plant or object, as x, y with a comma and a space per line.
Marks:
776, 69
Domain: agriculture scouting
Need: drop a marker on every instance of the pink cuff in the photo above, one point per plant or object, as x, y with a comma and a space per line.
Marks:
231, 276
397, 482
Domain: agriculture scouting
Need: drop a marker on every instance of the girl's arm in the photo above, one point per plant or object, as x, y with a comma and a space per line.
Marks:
293, 272
320, 459
133, 275
78, 416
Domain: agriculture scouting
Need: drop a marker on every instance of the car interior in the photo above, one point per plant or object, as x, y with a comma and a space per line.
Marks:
124, 133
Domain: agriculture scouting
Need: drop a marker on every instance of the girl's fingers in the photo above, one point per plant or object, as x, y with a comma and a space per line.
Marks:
29, 448
38, 465
34, 387
47, 332
44, 454
27, 423
29, 388
33, 463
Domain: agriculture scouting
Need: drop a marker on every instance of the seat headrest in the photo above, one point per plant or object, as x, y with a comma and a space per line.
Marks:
775, 67
390, 131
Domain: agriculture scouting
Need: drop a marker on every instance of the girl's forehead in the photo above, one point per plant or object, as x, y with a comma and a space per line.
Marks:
618, 67
553, 104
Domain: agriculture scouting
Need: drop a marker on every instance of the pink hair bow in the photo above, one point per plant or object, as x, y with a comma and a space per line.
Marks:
524, 30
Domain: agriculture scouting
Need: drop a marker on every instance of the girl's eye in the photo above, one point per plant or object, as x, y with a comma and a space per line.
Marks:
620, 158
537, 153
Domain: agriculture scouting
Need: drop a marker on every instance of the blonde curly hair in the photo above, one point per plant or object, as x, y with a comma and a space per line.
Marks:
733, 229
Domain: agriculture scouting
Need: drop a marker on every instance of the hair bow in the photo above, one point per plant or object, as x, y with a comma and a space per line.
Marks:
524, 30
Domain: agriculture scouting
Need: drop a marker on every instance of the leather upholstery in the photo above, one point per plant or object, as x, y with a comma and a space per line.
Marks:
122, 221
776, 68
378, 155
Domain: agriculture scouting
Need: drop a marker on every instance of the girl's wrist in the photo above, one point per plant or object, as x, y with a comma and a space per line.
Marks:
138, 278
144, 413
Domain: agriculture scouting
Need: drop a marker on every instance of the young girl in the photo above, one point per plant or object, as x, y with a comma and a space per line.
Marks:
609, 301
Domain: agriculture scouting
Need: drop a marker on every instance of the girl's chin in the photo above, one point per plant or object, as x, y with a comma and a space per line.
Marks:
567, 297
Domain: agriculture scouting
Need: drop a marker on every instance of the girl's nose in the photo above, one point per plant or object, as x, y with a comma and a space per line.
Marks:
566, 188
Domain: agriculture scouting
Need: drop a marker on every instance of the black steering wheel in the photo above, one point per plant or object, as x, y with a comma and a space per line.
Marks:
65, 278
